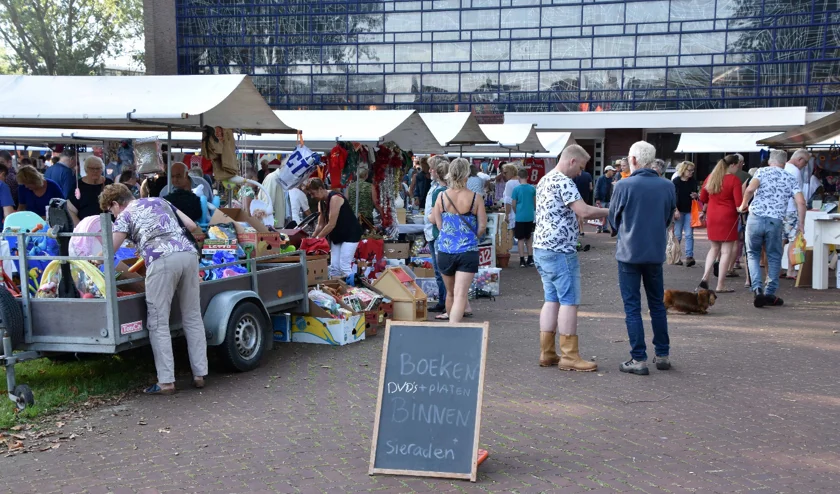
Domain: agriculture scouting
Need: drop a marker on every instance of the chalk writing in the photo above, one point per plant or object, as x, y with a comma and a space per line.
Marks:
435, 367
395, 448
428, 414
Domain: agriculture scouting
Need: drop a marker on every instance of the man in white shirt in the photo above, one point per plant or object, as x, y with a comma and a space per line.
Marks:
299, 205
271, 183
797, 162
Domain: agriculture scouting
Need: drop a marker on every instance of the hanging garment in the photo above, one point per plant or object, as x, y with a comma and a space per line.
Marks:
338, 157
219, 146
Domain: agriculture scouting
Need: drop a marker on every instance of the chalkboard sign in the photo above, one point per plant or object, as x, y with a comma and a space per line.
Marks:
428, 413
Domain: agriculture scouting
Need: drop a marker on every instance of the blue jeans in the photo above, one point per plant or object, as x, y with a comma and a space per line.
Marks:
766, 232
560, 274
438, 277
630, 277
684, 225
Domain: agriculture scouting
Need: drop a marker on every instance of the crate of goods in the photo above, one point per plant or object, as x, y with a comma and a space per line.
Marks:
486, 283
422, 267
399, 250
329, 322
410, 302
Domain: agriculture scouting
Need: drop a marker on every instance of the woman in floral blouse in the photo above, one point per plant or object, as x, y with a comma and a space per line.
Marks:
171, 267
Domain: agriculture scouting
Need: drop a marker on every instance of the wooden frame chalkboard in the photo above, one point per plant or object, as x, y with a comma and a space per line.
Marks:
465, 341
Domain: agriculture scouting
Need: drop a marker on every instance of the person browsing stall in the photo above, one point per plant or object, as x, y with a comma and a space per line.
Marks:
182, 195
64, 172
35, 192
338, 224
438, 168
366, 196
155, 227
7, 203
90, 186
457, 245
299, 204
555, 252
524, 203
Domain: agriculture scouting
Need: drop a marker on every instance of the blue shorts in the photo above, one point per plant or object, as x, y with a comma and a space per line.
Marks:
560, 275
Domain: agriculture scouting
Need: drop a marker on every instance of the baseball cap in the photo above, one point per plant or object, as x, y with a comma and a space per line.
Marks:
609, 169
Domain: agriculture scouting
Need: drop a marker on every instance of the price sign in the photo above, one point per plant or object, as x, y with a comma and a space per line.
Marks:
485, 256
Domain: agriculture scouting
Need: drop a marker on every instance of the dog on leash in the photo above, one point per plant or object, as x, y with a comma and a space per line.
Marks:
690, 302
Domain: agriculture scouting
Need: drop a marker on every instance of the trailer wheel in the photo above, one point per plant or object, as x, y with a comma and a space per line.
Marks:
25, 397
245, 339
12, 317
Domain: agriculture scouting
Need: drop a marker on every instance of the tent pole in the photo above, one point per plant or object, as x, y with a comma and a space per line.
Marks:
169, 158
357, 190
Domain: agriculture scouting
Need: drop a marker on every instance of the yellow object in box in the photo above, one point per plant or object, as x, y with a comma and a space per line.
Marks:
319, 327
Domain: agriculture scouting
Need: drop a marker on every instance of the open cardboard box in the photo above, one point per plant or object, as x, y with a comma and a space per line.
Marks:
319, 327
259, 243
138, 286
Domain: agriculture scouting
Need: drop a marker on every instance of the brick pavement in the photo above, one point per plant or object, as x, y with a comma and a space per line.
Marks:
751, 406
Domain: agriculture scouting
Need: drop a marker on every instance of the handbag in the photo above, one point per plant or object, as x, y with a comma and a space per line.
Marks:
696, 220
184, 229
796, 252
673, 252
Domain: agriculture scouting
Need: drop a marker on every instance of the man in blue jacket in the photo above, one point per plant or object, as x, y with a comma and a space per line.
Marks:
641, 210
64, 172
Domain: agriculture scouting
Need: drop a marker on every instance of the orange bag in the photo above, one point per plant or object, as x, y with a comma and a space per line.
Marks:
696, 220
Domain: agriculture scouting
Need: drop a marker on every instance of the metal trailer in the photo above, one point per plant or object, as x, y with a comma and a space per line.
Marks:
236, 312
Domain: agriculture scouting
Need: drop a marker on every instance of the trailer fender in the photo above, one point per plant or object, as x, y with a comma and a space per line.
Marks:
219, 310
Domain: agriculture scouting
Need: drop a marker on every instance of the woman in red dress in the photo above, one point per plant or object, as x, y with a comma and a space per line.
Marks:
721, 193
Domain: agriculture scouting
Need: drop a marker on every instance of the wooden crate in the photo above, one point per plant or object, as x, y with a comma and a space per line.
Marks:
410, 302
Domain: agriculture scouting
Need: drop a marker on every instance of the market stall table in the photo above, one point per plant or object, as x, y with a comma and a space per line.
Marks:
826, 232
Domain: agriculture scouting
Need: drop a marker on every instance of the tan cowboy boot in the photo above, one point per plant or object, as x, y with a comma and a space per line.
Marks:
548, 352
571, 360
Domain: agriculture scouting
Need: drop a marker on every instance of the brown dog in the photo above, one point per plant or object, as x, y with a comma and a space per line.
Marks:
690, 302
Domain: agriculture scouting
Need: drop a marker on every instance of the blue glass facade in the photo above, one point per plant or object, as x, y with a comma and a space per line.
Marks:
493, 56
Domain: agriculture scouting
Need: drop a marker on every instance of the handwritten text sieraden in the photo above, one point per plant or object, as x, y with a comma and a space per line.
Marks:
395, 448
435, 367
428, 414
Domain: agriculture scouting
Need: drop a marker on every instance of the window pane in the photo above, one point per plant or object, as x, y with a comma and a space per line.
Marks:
561, 16
413, 53
490, 50
702, 43
571, 48
441, 21
452, 52
689, 10
611, 13
614, 47
530, 50
657, 45
480, 19
515, 18
397, 23
399, 83
638, 12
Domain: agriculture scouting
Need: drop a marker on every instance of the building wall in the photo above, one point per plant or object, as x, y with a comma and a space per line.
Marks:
492, 56
161, 40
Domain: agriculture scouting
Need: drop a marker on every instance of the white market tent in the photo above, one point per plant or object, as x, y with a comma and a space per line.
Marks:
455, 129
136, 103
731, 142
554, 143
821, 132
323, 128
515, 138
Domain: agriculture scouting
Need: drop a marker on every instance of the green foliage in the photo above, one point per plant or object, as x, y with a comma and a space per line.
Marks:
67, 37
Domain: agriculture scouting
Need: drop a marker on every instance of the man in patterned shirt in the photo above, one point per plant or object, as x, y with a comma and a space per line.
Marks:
555, 252
772, 187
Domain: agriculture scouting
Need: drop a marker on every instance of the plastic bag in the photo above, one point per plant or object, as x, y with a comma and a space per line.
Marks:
696, 220
796, 252
673, 251
298, 166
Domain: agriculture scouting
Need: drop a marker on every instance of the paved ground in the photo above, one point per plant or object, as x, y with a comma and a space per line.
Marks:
752, 405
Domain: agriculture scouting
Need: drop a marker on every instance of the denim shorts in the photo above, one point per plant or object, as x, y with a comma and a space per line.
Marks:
560, 275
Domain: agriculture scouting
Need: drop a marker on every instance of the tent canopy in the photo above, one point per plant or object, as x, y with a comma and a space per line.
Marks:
520, 138
454, 129
721, 143
404, 127
815, 132
152, 102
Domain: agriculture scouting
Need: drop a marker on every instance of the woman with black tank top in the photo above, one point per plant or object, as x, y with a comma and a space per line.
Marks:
338, 224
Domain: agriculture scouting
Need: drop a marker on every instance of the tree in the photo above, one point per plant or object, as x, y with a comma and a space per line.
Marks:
67, 37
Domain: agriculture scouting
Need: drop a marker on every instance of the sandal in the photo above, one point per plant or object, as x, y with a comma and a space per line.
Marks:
732, 274
468, 314
725, 290
442, 317
198, 382
157, 390
704, 285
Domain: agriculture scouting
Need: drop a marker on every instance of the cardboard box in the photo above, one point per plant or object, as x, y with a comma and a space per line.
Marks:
424, 272
397, 250
317, 267
319, 327
401, 216
259, 243
138, 286
282, 324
